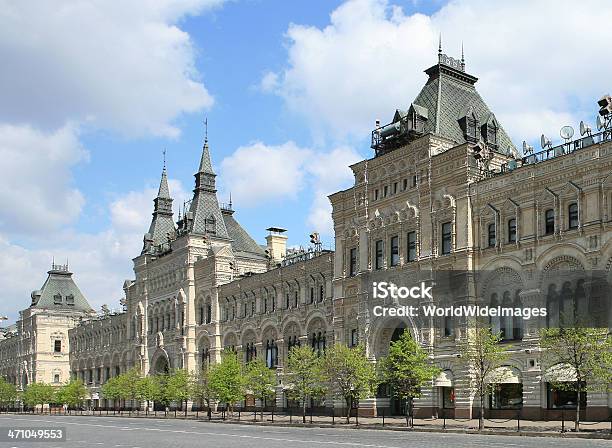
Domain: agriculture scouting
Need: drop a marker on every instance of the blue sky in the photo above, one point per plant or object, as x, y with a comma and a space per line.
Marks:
93, 91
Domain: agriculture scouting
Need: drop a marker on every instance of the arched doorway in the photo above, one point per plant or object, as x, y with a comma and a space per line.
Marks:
161, 366
397, 406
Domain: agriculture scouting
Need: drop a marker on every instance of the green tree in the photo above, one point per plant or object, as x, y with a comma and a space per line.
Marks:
148, 389
482, 354
350, 374
73, 393
110, 389
201, 389
260, 381
8, 393
177, 387
583, 353
407, 369
38, 394
227, 380
304, 377
127, 384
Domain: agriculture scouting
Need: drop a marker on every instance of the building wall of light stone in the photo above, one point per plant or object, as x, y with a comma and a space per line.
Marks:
450, 188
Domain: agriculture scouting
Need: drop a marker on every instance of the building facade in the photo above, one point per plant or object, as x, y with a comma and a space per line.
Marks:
446, 191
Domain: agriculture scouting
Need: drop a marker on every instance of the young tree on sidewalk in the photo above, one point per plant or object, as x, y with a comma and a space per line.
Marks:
148, 390
227, 380
407, 369
39, 394
201, 389
260, 381
482, 355
110, 389
177, 387
8, 393
582, 354
349, 374
72, 393
303, 376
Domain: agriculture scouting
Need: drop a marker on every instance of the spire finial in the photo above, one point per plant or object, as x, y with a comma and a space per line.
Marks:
230, 201
462, 58
440, 47
164, 156
206, 130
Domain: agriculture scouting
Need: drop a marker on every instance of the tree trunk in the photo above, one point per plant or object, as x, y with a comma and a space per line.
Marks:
577, 422
481, 420
304, 409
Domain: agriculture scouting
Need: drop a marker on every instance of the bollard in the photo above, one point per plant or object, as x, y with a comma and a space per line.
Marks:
334, 416
518, 421
255, 415
357, 415
272, 415
383, 417
290, 415
311, 415
444, 422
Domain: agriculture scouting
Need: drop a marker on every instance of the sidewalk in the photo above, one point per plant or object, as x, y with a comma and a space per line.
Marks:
602, 430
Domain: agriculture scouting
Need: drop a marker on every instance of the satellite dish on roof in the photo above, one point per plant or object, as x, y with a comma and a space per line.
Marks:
545, 142
600, 123
527, 149
566, 132
585, 128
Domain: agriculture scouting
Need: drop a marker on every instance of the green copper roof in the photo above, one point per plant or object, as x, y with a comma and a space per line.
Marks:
60, 292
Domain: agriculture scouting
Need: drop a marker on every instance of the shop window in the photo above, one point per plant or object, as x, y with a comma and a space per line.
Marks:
558, 398
506, 396
448, 397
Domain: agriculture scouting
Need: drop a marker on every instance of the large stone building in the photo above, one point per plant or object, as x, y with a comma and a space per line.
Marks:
446, 191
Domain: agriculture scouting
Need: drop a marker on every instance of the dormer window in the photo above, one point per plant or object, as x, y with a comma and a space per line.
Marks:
70, 300
470, 126
57, 299
489, 131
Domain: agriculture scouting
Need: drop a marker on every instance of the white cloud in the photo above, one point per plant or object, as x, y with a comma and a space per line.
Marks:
101, 261
37, 191
369, 61
124, 66
260, 172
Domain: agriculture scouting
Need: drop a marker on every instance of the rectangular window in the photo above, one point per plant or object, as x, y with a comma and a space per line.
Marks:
492, 237
447, 238
411, 256
564, 399
208, 314
56, 378
414, 180
311, 295
448, 397
353, 262
394, 251
321, 293
295, 301
512, 231
385, 191
573, 216
354, 337
549, 222
405, 184
57, 346
394, 187
506, 396
380, 254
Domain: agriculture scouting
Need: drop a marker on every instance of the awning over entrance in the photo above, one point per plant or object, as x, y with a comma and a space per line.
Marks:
505, 375
445, 379
560, 373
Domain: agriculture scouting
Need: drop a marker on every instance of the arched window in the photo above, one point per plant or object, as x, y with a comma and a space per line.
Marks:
549, 222
572, 215
492, 238
512, 230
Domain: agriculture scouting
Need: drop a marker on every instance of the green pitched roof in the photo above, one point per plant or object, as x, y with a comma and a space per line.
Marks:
60, 292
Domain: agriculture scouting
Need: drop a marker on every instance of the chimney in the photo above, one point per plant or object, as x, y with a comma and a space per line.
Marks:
276, 242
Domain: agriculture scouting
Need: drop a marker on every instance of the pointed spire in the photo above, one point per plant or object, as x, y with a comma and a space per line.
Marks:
205, 163
440, 47
164, 191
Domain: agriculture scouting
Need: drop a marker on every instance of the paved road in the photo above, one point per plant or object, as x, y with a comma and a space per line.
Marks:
148, 433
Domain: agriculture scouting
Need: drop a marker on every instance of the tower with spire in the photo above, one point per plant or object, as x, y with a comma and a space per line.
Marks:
204, 215
162, 224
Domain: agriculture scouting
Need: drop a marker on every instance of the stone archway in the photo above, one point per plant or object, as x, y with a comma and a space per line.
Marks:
161, 365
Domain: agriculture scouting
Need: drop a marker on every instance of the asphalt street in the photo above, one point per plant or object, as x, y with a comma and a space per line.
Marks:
147, 433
